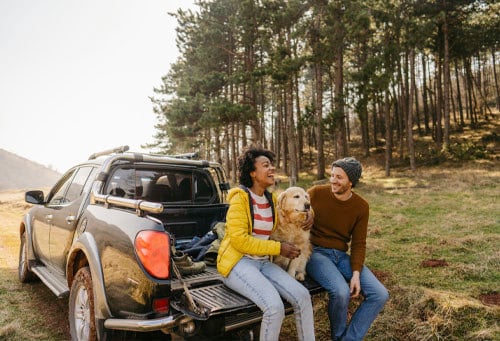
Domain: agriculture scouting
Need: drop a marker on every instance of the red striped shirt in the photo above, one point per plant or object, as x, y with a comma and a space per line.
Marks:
262, 217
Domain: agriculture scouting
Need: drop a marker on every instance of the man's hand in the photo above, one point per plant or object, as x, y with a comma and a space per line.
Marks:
289, 250
355, 285
308, 223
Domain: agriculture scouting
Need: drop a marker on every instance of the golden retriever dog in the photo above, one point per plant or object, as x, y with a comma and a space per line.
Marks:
294, 209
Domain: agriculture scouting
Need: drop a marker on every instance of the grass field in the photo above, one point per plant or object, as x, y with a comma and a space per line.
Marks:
29, 311
433, 240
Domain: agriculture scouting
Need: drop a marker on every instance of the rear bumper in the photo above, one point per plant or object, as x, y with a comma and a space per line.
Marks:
166, 322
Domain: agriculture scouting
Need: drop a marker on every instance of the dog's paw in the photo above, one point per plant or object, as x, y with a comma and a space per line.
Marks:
300, 276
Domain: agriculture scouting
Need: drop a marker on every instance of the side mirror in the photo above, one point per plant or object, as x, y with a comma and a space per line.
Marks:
34, 197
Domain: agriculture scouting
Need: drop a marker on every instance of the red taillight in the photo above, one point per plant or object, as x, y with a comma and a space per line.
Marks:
161, 305
153, 249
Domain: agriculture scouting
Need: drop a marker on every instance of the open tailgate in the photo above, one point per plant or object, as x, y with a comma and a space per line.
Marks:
214, 298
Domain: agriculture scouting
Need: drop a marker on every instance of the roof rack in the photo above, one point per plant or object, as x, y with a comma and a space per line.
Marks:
117, 150
189, 156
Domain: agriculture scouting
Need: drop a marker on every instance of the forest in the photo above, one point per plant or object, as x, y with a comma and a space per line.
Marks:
322, 79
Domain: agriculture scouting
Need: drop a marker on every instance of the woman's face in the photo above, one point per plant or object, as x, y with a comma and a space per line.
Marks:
263, 175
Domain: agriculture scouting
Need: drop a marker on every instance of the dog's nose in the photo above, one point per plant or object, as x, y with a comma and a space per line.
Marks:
307, 206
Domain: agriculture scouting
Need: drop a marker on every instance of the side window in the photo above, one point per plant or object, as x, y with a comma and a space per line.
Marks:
76, 187
58, 198
122, 184
203, 189
220, 182
90, 180
185, 187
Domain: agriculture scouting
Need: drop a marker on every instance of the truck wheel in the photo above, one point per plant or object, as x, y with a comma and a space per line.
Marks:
81, 307
24, 273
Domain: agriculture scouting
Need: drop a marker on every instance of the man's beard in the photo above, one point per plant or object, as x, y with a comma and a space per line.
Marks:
341, 189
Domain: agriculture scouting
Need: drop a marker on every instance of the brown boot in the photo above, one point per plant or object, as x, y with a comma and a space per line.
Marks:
185, 264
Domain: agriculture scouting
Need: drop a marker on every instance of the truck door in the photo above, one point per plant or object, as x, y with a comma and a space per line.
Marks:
65, 218
42, 219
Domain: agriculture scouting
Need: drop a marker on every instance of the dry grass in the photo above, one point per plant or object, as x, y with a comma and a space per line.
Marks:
31, 311
449, 214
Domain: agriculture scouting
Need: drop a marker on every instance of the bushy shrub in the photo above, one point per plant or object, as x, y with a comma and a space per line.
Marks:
456, 152
467, 151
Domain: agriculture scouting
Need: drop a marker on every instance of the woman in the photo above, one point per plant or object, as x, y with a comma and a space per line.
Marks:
243, 257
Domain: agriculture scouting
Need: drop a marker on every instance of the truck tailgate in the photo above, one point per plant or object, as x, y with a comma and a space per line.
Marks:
214, 298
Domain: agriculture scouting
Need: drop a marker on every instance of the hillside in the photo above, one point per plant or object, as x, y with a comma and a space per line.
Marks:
20, 173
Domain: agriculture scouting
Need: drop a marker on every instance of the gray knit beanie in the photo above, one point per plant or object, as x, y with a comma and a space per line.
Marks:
351, 166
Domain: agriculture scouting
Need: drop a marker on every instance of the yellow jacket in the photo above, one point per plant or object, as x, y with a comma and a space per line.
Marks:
238, 239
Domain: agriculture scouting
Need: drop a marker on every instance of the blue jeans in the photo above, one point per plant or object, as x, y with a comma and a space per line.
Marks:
331, 268
265, 283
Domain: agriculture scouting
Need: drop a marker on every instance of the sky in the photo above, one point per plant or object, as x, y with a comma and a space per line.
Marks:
76, 77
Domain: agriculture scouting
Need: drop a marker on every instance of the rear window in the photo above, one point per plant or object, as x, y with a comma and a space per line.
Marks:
163, 185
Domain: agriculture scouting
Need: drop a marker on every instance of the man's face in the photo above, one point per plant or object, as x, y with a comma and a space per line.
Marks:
340, 181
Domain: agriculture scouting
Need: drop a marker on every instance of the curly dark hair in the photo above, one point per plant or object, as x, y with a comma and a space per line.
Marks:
246, 162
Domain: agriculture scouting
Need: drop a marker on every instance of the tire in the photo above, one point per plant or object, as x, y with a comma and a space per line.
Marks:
81, 307
23, 270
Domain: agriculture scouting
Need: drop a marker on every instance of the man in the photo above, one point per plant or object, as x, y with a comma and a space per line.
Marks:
341, 218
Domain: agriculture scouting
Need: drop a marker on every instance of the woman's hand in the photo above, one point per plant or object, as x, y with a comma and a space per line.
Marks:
355, 285
289, 250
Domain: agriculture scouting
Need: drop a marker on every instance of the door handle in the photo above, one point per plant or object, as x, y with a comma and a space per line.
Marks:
49, 217
70, 219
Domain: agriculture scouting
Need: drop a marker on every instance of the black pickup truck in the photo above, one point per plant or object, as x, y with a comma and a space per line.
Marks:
104, 234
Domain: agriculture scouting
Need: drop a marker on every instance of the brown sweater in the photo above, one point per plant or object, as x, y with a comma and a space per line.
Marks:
336, 223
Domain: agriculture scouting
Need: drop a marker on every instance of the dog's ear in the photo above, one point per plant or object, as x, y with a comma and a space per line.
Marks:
281, 202
281, 199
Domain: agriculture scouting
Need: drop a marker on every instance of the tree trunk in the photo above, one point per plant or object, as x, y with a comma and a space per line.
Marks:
263, 103
388, 133
439, 105
292, 144
446, 85
300, 129
375, 118
404, 101
339, 103
484, 102
452, 100
497, 89
469, 91
234, 155
272, 142
417, 107
227, 152
290, 131
409, 119
218, 146
363, 104
280, 138
318, 105
459, 95
424, 96
399, 106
